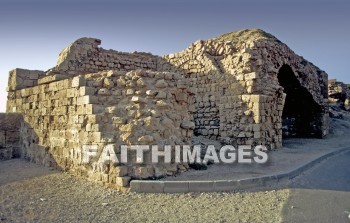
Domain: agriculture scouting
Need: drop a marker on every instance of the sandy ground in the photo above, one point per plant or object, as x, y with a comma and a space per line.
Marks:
59, 197
32, 193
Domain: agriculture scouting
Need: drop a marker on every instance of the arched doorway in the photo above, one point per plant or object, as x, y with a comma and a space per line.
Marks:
300, 113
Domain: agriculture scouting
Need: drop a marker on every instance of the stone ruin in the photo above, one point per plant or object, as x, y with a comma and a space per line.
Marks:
241, 88
339, 98
339, 94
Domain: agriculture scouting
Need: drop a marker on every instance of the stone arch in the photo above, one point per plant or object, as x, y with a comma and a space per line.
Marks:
301, 113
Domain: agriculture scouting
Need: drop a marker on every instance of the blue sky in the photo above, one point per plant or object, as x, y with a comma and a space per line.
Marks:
33, 32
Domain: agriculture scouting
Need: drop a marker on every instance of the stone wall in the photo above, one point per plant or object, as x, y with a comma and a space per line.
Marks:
10, 135
239, 98
339, 93
228, 106
347, 100
21, 78
221, 70
242, 88
84, 56
109, 108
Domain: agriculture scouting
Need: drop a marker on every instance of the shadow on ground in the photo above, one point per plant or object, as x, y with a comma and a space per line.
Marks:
19, 169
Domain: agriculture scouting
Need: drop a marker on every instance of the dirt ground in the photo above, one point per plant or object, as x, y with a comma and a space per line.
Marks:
32, 193
60, 197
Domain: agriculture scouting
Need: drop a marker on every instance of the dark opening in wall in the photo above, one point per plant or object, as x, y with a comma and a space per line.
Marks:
301, 114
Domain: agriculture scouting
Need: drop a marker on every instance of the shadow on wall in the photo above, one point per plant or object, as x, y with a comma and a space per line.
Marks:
301, 114
10, 135
31, 150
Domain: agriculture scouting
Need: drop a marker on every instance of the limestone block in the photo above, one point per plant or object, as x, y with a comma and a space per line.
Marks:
86, 91
130, 91
123, 181
121, 82
21, 78
147, 139
88, 99
186, 124
151, 93
138, 99
181, 96
78, 81
97, 137
51, 78
181, 84
162, 104
161, 95
91, 109
104, 92
250, 76
151, 123
143, 172
161, 83
120, 171
108, 83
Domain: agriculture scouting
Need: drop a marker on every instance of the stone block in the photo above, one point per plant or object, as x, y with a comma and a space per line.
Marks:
87, 99
147, 186
10, 121
122, 181
120, 171
78, 81
51, 79
12, 137
138, 99
87, 91
224, 185
176, 187
201, 186
2, 138
16, 79
257, 135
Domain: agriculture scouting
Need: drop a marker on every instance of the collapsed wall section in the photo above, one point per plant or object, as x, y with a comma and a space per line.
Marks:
84, 56
104, 109
21, 78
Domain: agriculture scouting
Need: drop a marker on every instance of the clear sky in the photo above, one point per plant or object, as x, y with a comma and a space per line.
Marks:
33, 32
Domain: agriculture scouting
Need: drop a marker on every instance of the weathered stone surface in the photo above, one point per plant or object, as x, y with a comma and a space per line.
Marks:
339, 94
10, 125
20, 79
231, 88
73, 113
186, 124
123, 181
